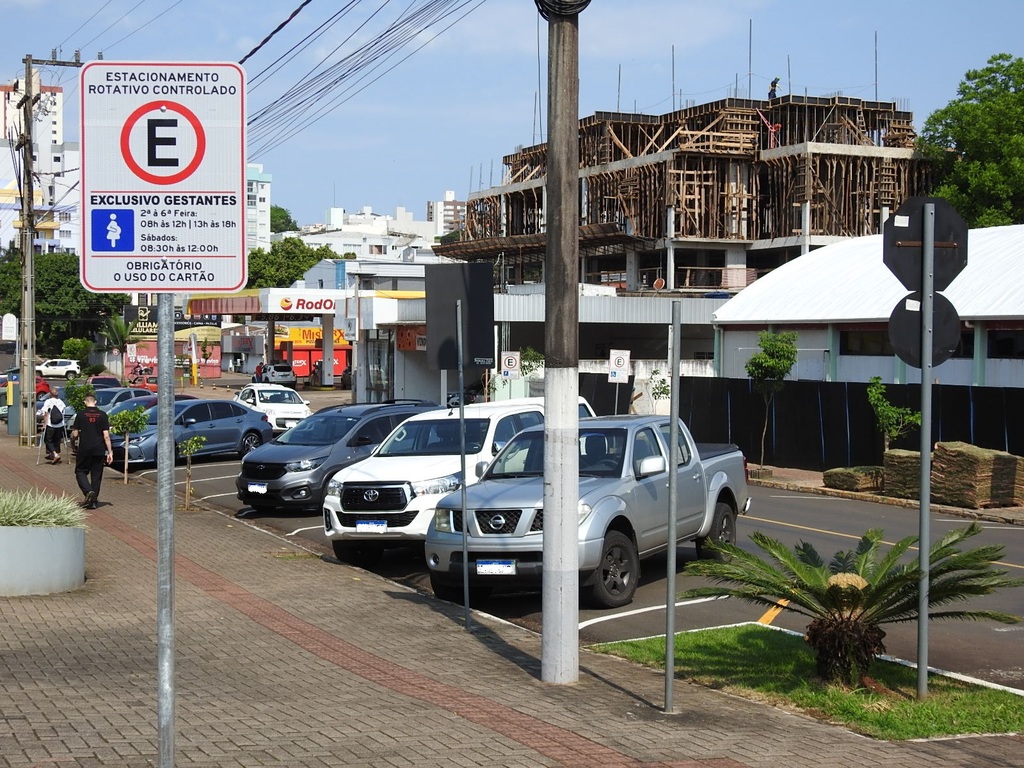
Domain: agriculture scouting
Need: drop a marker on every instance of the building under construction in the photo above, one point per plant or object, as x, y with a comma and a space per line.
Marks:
707, 197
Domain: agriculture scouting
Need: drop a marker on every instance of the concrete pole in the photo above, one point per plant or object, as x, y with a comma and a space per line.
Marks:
560, 592
165, 530
28, 273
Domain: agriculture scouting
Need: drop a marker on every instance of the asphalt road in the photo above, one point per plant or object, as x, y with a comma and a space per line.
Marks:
986, 650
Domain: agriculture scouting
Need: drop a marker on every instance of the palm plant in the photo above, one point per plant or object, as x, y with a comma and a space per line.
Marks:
849, 598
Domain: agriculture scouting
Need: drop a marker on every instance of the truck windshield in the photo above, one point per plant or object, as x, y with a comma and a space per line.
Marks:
319, 429
601, 454
434, 437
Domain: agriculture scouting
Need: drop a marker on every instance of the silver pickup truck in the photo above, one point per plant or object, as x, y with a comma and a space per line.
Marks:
623, 509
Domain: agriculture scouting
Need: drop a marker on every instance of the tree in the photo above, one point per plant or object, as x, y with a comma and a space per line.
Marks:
893, 422
64, 309
130, 421
116, 333
852, 596
187, 448
977, 147
287, 261
281, 220
75, 392
769, 368
77, 349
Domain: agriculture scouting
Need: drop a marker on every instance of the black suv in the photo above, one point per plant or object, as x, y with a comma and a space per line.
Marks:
292, 470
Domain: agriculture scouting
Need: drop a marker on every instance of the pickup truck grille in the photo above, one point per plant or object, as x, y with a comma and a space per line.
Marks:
498, 521
253, 471
493, 522
373, 498
394, 521
538, 522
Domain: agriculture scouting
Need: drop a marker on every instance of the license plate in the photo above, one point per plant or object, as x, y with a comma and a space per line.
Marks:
371, 526
257, 487
496, 567
290, 424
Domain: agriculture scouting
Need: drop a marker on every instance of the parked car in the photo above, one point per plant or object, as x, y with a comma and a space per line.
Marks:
623, 500
108, 397
14, 374
67, 369
105, 380
278, 373
291, 471
282, 405
228, 427
145, 402
388, 499
148, 383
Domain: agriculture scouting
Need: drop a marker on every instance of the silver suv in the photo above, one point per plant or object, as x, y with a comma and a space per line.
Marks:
291, 471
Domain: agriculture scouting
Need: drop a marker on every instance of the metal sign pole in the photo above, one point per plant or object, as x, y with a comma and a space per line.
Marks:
165, 528
673, 501
927, 323
462, 449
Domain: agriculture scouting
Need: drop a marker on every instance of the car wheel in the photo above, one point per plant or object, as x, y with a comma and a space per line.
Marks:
357, 553
250, 442
723, 529
70, 375
618, 573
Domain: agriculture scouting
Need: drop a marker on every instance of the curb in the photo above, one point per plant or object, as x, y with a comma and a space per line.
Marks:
1007, 516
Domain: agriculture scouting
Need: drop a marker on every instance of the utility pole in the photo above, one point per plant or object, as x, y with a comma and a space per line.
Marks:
27, 104
28, 267
560, 588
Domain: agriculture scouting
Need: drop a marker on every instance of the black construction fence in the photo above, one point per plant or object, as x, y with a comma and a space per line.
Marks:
820, 425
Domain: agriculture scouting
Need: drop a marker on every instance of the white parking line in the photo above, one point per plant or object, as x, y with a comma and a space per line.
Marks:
206, 479
638, 611
212, 496
310, 528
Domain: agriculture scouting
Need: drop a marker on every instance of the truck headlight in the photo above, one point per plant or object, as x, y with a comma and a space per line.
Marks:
304, 465
334, 488
584, 511
437, 485
443, 520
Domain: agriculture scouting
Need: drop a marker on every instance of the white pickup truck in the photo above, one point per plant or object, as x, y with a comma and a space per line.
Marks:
623, 509
388, 498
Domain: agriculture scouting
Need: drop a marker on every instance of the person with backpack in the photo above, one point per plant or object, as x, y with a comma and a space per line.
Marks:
52, 414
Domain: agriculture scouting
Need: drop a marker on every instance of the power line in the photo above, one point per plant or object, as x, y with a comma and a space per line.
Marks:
279, 27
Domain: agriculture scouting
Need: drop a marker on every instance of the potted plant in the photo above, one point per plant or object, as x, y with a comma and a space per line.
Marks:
42, 543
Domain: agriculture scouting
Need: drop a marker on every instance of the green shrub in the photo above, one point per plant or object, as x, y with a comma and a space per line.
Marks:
38, 508
94, 370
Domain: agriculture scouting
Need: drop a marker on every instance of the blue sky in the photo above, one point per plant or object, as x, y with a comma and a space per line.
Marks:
445, 116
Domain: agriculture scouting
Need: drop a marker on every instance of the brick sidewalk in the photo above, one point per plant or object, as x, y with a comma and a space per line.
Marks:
285, 659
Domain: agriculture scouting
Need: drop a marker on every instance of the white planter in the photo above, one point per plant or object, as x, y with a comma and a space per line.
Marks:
41, 561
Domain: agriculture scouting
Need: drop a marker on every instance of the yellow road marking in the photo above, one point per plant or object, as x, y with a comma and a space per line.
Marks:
770, 615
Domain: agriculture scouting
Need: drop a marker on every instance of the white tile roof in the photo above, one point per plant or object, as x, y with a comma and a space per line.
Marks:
847, 282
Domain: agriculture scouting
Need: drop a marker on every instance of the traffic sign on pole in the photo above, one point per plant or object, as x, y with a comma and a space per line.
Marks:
510, 365
618, 366
902, 243
163, 176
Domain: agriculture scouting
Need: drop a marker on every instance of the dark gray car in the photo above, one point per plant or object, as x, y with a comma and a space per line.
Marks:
291, 471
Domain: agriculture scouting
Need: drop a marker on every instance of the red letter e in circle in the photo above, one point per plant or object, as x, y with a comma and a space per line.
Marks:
155, 106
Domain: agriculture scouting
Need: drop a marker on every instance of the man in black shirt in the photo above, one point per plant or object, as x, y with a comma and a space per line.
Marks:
91, 430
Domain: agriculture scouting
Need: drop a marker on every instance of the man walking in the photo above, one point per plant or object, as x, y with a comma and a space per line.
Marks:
52, 413
91, 430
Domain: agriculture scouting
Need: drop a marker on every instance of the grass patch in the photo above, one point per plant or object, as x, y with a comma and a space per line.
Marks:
778, 668
38, 508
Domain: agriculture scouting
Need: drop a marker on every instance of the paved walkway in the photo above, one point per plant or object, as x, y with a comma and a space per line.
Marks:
285, 659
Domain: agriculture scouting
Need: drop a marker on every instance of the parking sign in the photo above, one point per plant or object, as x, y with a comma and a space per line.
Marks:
163, 176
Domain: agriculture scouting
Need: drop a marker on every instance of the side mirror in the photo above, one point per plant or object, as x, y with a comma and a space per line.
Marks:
498, 445
305, 402
189, 422
362, 440
651, 465
479, 469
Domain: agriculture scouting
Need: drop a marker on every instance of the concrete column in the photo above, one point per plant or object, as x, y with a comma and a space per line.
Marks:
632, 272
327, 368
980, 353
805, 227
735, 273
670, 248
